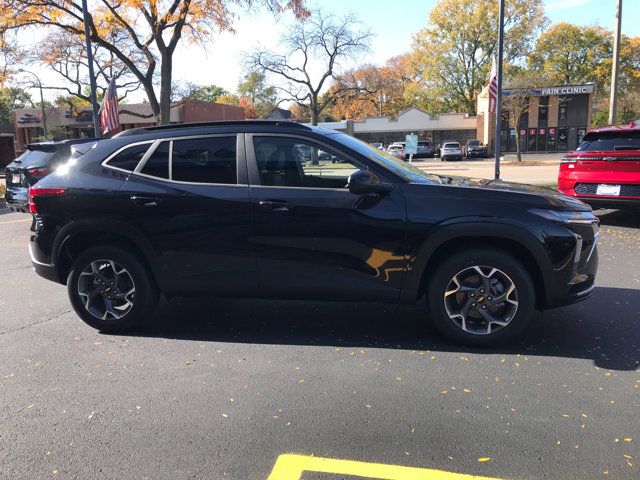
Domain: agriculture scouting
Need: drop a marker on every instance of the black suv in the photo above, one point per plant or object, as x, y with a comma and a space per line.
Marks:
38, 161
232, 209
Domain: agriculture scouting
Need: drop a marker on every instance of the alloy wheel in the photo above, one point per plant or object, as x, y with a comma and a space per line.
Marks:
107, 289
481, 300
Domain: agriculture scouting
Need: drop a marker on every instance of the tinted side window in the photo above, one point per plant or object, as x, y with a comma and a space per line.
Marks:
157, 164
128, 158
205, 160
292, 162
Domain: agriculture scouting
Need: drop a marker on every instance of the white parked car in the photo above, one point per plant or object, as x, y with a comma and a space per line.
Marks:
396, 150
451, 151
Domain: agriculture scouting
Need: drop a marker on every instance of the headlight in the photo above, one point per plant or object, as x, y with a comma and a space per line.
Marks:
566, 216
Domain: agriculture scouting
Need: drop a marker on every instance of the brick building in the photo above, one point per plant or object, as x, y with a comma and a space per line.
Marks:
555, 121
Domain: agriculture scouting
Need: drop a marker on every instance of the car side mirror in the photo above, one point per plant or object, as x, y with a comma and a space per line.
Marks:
362, 182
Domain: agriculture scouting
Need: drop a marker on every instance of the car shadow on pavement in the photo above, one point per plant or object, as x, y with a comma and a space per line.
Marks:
619, 218
604, 328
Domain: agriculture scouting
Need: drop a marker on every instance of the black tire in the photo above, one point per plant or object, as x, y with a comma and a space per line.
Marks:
144, 298
492, 258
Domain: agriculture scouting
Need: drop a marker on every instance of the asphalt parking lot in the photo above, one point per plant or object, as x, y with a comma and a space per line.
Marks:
220, 388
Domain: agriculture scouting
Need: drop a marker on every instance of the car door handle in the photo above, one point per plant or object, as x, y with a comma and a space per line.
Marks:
277, 206
145, 201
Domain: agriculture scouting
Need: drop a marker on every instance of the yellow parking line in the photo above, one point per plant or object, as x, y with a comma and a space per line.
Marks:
16, 221
291, 467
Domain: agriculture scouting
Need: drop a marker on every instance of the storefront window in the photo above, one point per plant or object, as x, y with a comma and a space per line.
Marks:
562, 110
562, 138
551, 139
542, 139
543, 111
581, 133
531, 144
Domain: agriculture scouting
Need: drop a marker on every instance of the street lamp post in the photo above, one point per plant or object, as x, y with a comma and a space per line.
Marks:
44, 114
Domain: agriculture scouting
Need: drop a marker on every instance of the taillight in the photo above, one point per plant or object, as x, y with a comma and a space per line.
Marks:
38, 192
38, 173
569, 160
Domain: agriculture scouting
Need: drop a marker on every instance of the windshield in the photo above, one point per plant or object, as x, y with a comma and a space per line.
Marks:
473, 143
398, 166
610, 141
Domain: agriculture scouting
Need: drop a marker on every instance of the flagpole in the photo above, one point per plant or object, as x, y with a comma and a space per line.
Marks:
499, 94
92, 78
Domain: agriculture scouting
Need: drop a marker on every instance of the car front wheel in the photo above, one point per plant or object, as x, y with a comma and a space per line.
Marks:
111, 289
481, 297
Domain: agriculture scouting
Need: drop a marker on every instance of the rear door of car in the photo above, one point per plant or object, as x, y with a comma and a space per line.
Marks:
190, 197
312, 237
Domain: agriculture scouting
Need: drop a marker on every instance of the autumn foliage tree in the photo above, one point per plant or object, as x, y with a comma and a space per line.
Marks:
371, 90
452, 55
153, 28
576, 54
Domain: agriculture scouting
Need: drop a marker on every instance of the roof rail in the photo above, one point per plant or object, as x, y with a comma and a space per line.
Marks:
275, 123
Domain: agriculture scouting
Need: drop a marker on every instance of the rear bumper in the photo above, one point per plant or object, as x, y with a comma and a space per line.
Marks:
476, 154
41, 262
16, 199
41, 266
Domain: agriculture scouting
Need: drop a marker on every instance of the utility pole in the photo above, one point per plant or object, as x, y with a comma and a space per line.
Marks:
92, 78
613, 96
44, 113
499, 94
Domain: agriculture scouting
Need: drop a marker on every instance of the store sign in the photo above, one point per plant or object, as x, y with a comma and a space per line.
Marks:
539, 92
568, 90
542, 131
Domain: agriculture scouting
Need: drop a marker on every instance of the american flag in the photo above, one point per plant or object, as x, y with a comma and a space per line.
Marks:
493, 87
109, 118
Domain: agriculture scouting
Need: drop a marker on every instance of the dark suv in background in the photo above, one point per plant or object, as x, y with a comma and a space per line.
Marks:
232, 209
38, 161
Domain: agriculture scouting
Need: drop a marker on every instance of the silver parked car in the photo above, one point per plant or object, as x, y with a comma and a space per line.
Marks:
450, 151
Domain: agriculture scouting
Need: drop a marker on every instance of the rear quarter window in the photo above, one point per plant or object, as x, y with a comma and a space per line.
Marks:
129, 158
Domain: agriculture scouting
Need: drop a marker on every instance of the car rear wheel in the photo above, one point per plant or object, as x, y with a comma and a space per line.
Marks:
111, 289
481, 297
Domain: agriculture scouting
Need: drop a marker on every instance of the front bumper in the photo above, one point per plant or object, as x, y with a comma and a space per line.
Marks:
575, 279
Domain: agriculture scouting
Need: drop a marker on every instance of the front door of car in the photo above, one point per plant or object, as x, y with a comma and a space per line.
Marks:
190, 197
313, 238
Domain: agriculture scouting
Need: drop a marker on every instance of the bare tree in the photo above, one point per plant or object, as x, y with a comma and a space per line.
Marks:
66, 55
322, 39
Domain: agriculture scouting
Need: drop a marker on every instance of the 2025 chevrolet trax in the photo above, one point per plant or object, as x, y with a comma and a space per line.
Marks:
251, 209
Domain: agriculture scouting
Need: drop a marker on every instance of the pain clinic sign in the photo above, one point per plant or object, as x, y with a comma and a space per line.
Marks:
541, 92
568, 90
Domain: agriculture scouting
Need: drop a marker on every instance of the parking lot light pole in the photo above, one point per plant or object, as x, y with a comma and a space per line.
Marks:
44, 114
92, 79
613, 95
499, 93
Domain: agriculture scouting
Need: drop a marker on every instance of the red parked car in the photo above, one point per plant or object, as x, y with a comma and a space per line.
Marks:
605, 169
